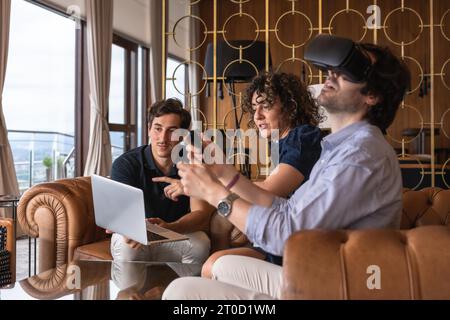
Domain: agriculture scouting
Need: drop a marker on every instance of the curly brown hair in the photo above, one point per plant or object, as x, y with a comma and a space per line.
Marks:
297, 105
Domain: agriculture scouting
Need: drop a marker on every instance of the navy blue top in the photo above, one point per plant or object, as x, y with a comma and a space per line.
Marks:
137, 168
300, 149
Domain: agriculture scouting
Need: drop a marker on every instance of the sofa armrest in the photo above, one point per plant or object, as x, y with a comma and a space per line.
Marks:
10, 245
61, 214
368, 264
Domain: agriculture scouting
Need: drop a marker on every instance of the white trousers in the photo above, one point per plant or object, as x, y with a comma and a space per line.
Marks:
235, 278
195, 250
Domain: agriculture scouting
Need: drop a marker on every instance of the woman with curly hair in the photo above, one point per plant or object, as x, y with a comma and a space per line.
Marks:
279, 101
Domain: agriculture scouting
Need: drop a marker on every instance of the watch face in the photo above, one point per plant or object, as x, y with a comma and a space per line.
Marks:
223, 208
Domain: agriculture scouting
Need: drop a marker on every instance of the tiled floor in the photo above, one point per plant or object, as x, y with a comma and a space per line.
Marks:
22, 258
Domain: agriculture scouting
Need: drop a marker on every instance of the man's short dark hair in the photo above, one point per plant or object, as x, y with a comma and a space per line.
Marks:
169, 106
389, 80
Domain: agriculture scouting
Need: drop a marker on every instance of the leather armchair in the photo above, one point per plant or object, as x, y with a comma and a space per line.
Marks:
61, 214
413, 262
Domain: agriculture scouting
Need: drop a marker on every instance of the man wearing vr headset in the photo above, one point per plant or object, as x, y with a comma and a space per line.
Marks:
355, 184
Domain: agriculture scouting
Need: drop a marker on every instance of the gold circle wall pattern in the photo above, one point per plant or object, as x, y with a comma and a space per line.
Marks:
422, 33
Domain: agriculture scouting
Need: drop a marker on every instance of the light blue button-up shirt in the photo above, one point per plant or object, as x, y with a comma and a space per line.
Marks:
355, 184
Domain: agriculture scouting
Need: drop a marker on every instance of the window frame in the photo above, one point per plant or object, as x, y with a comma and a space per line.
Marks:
131, 92
146, 93
130, 128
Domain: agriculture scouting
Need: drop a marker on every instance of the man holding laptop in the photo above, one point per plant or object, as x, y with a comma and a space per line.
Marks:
148, 168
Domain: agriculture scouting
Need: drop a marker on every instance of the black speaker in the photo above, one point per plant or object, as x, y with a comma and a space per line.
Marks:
237, 72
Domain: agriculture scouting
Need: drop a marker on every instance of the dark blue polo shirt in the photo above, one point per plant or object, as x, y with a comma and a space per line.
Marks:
137, 168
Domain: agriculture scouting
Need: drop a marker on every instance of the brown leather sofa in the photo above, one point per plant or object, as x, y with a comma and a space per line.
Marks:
413, 263
317, 264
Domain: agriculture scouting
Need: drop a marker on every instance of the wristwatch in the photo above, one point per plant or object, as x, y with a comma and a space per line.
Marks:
226, 205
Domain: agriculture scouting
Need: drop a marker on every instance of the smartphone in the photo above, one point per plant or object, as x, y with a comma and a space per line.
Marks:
195, 139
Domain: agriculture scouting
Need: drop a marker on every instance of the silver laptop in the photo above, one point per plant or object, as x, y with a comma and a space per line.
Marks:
120, 208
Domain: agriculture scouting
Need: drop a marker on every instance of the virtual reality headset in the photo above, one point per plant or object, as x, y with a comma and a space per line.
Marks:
328, 52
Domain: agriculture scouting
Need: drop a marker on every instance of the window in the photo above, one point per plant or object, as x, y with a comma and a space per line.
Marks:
123, 97
117, 88
175, 79
48, 126
39, 94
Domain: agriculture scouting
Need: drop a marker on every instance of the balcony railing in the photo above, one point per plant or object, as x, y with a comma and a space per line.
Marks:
42, 156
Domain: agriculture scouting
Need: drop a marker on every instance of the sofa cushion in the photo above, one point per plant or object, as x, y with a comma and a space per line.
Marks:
429, 206
368, 264
94, 251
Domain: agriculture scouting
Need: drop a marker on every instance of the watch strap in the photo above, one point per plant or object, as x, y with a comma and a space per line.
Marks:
232, 197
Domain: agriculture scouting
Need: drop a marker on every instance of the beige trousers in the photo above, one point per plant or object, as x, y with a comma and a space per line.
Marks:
235, 278
195, 250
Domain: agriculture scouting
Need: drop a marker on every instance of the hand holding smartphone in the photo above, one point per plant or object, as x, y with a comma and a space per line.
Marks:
194, 138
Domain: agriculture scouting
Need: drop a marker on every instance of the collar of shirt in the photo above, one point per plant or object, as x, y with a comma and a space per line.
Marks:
150, 164
335, 139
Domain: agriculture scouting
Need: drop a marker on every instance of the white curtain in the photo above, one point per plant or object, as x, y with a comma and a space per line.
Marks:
99, 17
156, 56
8, 179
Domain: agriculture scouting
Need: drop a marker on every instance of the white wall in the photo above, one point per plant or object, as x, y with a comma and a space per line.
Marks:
65, 4
177, 10
132, 18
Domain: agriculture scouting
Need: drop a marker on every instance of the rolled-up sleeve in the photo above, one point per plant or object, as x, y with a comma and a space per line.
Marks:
257, 220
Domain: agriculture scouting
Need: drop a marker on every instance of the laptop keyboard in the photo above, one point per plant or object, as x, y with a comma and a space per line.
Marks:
154, 237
